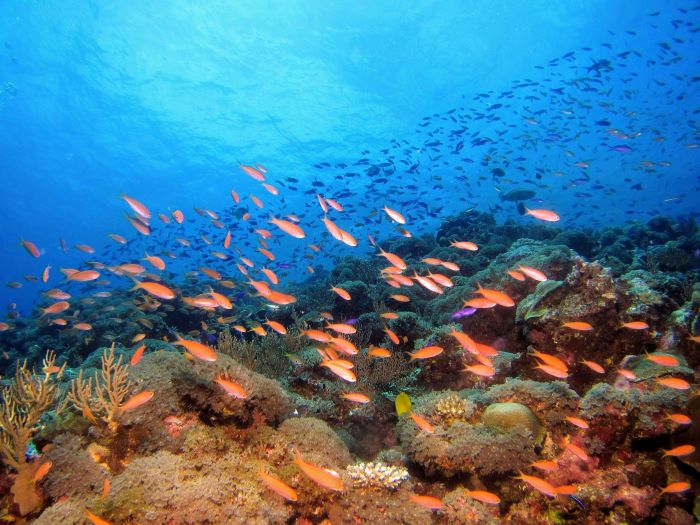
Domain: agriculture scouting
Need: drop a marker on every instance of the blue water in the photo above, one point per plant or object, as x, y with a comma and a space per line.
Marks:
163, 100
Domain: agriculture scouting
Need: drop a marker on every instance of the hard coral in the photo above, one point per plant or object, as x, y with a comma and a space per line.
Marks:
376, 475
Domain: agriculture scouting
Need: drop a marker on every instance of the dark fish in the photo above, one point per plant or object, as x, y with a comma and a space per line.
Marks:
517, 195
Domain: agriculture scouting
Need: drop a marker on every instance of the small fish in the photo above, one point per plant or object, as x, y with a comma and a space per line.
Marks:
422, 423
539, 484
403, 404
277, 486
426, 352
484, 496
137, 400
675, 488
356, 397
427, 502
680, 419
136, 357
680, 451
578, 325
674, 382
232, 388
543, 215
323, 477
95, 519
42, 471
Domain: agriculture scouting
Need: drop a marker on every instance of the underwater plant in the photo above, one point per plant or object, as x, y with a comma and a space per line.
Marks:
24, 402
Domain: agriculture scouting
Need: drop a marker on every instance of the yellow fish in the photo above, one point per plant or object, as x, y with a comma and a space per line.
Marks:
403, 404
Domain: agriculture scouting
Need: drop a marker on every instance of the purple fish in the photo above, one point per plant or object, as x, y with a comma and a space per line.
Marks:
621, 148
464, 312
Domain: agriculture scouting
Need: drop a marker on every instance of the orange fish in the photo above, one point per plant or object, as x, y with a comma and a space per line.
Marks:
533, 273
277, 327
197, 349
375, 351
678, 452
635, 325
464, 245
550, 360
156, 289
252, 172
270, 275
136, 357
394, 215
539, 484
42, 471
55, 308
83, 276
594, 366
323, 477
578, 325
257, 201
484, 496
356, 397
577, 451
232, 388
155, 261
389, 315
422, 423
426, 353
280, 298
675, 488
553, 371
480, 370
117, 238
427, 502
339, 370
546, 465
393, 259
95, 519
83, 326
450, 265
543, 215
322, 203
334, 204
317, 335
270, 188
577, 421
516, 275
105, 488
465, 341
681, 419
663, 360
137, 206
400, 298
277, 486
480, 302
342, 328
137, 400
342, 293
30, 247
394, 338
496, 296
178, 216
627, 374
674, 382
289, 228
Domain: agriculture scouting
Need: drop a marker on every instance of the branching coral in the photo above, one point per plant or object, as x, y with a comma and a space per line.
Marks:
266, 355
23, 404
110, 388
377, 475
